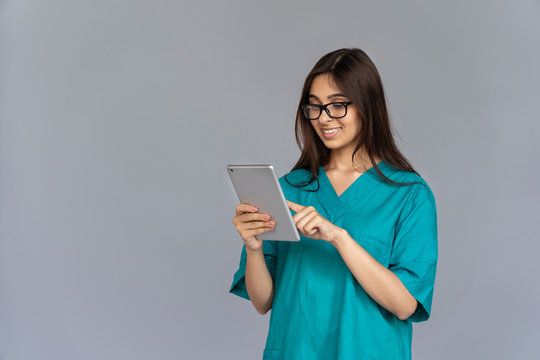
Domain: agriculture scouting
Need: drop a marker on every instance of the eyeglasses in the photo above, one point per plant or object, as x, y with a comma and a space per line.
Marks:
334, 110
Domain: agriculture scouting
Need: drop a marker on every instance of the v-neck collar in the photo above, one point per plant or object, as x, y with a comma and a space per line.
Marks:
328, 197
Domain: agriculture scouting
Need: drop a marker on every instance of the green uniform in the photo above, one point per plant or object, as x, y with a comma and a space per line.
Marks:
319, 310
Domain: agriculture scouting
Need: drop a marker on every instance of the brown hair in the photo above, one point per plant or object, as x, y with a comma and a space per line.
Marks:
357, 77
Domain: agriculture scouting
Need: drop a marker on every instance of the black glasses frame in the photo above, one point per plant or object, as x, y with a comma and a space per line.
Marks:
324, 107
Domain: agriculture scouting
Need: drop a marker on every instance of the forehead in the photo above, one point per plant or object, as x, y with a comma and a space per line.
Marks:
323, 86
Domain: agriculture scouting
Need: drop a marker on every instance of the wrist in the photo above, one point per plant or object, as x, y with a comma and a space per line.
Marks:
254, 252
341, 238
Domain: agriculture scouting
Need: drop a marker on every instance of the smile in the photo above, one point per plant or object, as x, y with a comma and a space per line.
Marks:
329, 133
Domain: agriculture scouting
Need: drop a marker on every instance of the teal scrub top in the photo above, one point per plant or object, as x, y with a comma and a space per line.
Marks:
319, 310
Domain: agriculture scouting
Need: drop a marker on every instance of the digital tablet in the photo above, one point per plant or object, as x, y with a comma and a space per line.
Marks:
258, 185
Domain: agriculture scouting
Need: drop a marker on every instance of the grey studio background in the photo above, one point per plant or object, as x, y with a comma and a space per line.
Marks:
119, 117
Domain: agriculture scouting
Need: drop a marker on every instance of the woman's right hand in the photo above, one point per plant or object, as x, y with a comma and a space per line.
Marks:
249, 223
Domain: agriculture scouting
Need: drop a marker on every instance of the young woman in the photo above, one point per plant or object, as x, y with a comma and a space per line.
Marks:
364, 269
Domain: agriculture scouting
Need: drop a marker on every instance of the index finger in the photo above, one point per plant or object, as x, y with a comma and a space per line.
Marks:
243, 208
294, 206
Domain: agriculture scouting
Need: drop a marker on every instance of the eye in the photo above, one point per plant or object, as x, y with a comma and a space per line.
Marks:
336, 106
312, 111
337, 110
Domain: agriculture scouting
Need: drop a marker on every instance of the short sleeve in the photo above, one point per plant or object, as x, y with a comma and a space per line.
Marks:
270, 251
414, 252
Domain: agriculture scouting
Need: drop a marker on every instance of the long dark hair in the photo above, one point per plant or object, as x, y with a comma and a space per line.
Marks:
357, 77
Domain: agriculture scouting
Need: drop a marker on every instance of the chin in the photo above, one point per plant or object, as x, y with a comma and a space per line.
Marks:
332, 145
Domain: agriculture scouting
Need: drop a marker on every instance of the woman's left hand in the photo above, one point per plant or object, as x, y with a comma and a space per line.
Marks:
311, 224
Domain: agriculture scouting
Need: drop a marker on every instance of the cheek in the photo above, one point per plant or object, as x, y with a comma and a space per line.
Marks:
356, 126
358, 129
353, 127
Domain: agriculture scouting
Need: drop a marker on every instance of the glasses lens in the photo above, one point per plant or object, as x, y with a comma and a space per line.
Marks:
311, 111
337, 110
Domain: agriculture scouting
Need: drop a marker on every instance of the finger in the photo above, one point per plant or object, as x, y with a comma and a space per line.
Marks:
257, 231
301, 224
246, 217
312, 226
256, 224
243, 208
300, 215
294, 206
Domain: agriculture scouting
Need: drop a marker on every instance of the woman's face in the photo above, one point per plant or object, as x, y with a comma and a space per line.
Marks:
339, 133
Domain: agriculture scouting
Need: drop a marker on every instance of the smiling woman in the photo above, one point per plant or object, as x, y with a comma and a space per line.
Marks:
364, 269
336, 119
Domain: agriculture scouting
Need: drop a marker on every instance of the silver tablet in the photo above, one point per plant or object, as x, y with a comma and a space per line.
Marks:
258, 185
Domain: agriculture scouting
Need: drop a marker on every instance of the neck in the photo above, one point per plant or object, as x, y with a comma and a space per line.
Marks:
341, 160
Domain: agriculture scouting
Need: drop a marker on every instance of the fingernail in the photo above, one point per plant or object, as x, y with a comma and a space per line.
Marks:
267, 217
254, 209
271, 223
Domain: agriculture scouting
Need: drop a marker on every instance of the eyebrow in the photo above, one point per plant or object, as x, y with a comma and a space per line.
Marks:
311, 96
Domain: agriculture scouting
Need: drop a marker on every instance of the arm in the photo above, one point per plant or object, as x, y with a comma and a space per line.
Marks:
378, 281
259, 283
258, 280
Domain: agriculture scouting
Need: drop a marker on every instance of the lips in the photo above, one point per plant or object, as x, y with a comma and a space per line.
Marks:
330, 132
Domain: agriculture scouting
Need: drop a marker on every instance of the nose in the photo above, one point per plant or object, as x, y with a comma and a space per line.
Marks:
324, 118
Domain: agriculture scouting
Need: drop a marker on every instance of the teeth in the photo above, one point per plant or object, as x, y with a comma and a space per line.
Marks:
331, 131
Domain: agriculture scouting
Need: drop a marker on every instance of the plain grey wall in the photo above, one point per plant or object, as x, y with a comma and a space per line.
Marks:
119, 117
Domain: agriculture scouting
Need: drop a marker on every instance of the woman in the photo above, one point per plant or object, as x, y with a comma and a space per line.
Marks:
364, 269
